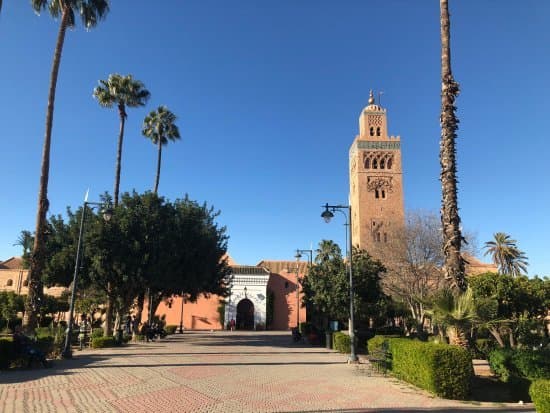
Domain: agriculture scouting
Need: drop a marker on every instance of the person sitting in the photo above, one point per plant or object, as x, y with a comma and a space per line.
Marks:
24, 346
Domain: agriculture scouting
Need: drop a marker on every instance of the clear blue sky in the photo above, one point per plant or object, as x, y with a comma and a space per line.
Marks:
268, 96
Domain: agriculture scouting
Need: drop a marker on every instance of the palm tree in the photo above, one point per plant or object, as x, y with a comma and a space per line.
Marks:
450, 220
455, 314
90, 11
122, 91
25, 241
506, 255
159, 126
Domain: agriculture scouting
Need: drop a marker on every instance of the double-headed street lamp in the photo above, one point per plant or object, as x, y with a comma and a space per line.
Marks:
327, 215
107, 215
310, 259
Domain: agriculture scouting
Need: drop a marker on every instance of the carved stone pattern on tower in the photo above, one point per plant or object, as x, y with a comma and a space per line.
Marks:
378, 145
375, 120
378, 182
384, 160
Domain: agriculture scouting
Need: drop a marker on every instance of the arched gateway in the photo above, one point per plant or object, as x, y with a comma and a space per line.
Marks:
246, 303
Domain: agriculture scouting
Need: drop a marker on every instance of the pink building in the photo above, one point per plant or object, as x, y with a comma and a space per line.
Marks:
262, 296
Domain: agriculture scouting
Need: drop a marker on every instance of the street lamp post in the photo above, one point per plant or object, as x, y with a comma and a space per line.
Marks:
298, 291
298, 255
107, 215
327, 215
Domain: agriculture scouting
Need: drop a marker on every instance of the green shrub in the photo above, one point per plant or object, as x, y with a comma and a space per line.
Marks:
97, 332
170, 329
531, 364
540, 394
500, 363
341, 342
506, 363
379, 344
482, 348
7, 352
102, 342
439, 368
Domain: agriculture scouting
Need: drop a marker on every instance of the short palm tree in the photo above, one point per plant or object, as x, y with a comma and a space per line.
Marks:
90, 12
455, 314
450, 220
506, 255
160, 127
122, 91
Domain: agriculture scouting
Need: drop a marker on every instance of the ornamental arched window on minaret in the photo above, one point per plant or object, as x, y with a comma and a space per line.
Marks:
376, 183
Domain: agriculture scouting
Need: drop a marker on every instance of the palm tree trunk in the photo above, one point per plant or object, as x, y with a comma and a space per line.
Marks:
122, 114
109, 309
158, 166
450, 220
38, 256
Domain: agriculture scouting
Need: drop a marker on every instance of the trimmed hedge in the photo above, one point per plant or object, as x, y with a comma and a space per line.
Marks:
341, 342
170, 329
507, 363
439, 368
379, 344
7, 352
540, 394
97, 332
102, 342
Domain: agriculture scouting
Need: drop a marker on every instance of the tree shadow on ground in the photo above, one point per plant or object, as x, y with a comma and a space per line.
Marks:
57, 368
465, 409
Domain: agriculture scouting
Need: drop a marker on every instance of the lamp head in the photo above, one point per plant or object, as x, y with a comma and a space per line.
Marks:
327, 215
107, 213
298, 255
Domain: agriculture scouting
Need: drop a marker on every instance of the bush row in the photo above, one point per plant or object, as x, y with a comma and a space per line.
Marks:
102, 342
439, 368
341, 342
507, 363
540, 394
170, 329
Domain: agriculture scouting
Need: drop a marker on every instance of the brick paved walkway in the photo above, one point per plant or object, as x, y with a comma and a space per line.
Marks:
217, 372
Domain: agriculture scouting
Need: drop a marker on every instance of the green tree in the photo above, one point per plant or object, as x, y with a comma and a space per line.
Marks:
506, 255
159, 126
326, 288
452, 238
122, 91
10, 305
90, 11
507, 303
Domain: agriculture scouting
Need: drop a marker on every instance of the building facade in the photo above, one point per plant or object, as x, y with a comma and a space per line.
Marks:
376, 180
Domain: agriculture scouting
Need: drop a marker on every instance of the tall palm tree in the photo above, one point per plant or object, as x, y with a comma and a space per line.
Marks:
122, 91
506, 255
450, 220
160, 127
90, 12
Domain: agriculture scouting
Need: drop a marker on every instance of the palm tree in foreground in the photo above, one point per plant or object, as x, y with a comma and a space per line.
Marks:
160, 127
506, 255
90, 12
122, 91
450, 220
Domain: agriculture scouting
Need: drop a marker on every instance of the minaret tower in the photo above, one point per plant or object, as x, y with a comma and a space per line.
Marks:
376, 181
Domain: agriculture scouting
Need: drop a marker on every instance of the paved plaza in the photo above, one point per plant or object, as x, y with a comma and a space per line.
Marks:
217, 372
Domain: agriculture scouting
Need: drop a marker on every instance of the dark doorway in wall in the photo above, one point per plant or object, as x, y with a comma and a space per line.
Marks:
245, 315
